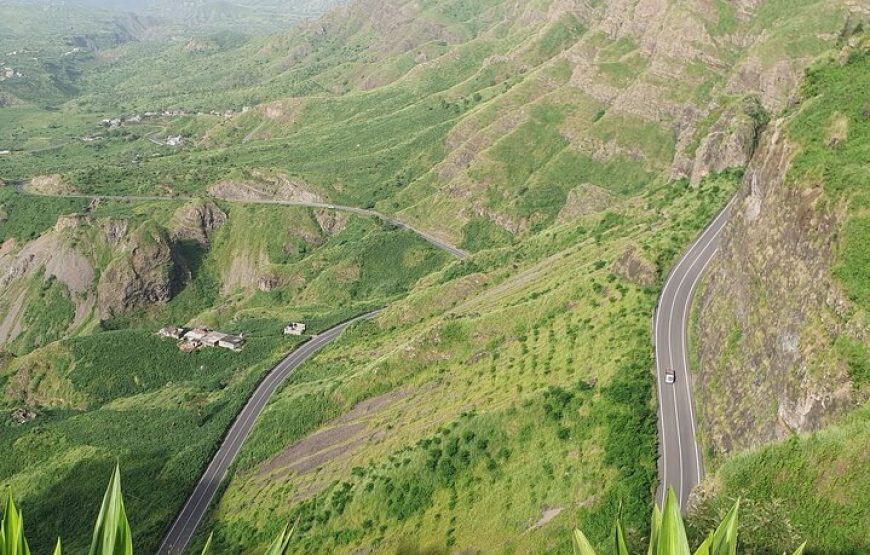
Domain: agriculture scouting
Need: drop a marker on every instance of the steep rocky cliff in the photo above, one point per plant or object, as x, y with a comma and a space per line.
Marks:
198, 222
782, 321
145, 273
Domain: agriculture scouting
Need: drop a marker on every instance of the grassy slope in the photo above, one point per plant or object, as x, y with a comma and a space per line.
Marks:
520, 383
539, 332
425, 130
814, 487
127, 395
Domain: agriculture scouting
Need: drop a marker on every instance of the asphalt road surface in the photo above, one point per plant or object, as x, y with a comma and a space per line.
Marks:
431, 239
185, 524
680, 464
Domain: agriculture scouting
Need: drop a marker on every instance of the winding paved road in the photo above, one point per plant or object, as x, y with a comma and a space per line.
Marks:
431, 239
680, 464
186, 522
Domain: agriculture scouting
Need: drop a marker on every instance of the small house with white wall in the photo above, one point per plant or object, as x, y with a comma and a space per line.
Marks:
294, 328
213, 338
232, 342
195, 335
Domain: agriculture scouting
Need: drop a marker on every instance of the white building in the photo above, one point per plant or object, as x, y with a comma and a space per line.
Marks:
195, 334
232, 342
213, 338
294, 328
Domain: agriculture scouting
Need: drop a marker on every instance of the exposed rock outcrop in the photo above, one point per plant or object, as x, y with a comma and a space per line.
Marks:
198, 222
146, 273
265, 186
115, 230
770, 311
331, 222
633, 267
731, 140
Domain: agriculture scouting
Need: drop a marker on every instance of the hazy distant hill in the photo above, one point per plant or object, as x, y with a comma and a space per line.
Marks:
240, 15
51, 61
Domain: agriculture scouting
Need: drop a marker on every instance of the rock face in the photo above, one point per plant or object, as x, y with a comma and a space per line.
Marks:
731, 141
145, 273
198, 222
633, 267
266, 186
584, 200
770, 312
330, 221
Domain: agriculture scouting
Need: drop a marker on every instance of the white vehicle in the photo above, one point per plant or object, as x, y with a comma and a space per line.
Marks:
670, 377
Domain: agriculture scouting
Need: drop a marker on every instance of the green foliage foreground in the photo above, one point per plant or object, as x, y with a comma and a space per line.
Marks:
112, 531
668, 534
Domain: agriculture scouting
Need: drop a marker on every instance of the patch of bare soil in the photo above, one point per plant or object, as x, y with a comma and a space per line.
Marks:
10, 326
245, 272
7, 247
264, 186
547, 515
50, 185
59, 260
348, 433
71, 268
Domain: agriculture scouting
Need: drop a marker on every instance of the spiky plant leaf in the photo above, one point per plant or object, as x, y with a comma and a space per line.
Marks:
672, 535
724, 540
207, 547
619, 546
281, 544
112, 530
800, 550
581, 544
704, 548
57, 548
12, 540
655, 526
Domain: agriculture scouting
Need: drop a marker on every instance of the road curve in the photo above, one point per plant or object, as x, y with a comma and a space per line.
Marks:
431, 239
680, 464
194, 509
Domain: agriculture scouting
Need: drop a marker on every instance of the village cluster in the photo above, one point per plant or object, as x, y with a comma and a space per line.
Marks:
193, 339
7, 73
114, 123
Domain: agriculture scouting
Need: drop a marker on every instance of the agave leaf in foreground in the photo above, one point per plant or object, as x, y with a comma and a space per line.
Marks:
724, 540
655, 526
12, 540
112, 530
704, 548
207, 547
581, 544
281, 543
800, 550
57, 548
672, 535
619, 547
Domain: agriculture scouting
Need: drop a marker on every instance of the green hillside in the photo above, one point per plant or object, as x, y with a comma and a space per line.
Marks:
104, 388
574, 148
